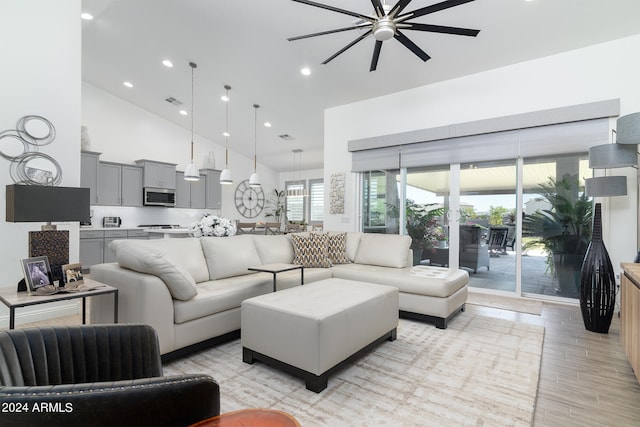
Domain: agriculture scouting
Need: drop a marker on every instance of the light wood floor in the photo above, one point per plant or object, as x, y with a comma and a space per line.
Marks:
585, 378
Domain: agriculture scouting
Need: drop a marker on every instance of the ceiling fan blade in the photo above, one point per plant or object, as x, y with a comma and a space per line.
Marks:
322, 33
431, 9
441, 29
362, 37
411, 46
335, 9
377, 6
376, 55
398, 7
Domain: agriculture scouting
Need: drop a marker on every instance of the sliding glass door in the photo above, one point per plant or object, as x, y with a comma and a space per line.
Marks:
492, 219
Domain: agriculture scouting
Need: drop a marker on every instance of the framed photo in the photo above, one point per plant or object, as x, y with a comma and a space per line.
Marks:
37, 272
72, 275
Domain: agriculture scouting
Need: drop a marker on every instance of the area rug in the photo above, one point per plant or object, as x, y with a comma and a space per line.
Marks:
480, 371
505, 303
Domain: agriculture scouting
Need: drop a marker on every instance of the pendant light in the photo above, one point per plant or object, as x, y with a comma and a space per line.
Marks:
254, 180
191, 172
225, 176
293, 190
303, 189
297, 191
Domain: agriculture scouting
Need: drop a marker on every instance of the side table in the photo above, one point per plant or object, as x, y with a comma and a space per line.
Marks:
250, 417
279, 268
15, 300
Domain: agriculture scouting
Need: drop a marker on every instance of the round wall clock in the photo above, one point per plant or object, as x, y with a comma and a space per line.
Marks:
249, 200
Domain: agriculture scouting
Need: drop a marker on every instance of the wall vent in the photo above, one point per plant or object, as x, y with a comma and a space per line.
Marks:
172, 100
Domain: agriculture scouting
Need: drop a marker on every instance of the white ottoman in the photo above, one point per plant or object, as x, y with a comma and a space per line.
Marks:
312, 330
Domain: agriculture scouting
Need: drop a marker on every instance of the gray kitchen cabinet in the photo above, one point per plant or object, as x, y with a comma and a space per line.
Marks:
89, 161
213, 189
119, 185
94, 244
132, 185
91, 248
158, 174
190, 194
109, 184
137, 234
110, 236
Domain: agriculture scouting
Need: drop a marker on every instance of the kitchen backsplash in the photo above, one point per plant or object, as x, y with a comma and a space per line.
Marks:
133, 217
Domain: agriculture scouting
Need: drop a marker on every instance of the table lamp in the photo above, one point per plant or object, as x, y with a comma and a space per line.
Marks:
41, 203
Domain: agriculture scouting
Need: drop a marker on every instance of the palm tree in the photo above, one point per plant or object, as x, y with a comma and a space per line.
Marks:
564, 230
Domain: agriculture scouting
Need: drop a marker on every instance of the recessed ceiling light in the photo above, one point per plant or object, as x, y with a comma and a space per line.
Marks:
225, 98
86, 16
267, 124
305, 71
167, 63
127, 84
184, 112
225, 134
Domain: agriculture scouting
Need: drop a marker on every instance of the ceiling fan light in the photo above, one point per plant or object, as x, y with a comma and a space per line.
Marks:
254, 180
384, 29
191, 173
225, 177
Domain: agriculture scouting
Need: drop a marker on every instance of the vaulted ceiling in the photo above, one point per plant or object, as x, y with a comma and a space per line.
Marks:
243, 43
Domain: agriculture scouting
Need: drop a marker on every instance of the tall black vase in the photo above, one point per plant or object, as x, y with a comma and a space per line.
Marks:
597, 282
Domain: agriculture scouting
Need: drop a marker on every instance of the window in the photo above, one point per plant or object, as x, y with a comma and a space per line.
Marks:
316, 200
295, 205
380, 196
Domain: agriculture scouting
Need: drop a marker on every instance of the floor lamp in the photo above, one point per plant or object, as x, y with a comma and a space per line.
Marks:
41, 203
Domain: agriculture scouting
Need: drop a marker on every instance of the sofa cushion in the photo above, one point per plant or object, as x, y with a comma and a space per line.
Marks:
274, 249
134, 256
217, 296
185, 252
311, 251
385, 250
353, 241
337, 248
229, 256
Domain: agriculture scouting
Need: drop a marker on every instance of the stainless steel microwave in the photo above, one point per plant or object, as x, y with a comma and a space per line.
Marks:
159, 197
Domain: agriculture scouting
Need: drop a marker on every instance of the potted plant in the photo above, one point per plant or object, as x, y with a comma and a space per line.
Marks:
564, 231
275, 205
422, 226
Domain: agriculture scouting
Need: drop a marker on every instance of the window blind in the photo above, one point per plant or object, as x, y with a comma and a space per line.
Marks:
316, 200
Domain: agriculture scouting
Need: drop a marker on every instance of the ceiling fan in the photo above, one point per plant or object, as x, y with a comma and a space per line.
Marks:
387, 23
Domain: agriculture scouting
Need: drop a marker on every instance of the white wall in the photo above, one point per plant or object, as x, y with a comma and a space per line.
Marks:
124, 133
596, 73
40, 75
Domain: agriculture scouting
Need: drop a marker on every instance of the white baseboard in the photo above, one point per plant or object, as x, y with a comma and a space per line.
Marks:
44, 312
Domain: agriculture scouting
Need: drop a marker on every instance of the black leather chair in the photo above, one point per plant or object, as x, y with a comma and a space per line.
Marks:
96, 375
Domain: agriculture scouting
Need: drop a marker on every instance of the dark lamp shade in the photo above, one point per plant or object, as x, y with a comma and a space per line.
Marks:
610, 156
628, 129
606, 186
41, 203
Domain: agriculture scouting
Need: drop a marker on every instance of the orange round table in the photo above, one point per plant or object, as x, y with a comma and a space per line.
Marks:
250, 417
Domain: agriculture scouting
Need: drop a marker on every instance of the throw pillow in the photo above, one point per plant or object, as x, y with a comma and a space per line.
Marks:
384, 250
142, 259
338, 248
311, 251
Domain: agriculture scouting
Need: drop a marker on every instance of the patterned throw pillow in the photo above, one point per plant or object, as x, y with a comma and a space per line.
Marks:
311, 251
338, 248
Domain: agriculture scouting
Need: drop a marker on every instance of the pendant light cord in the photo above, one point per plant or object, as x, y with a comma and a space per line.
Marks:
193, 66
255, 137
226, 132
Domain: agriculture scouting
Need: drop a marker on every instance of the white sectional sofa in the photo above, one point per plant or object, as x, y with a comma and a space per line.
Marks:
190, 290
